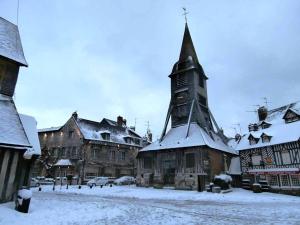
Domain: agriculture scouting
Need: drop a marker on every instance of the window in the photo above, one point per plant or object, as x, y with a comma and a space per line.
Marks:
252, 141
295, 180
96, 153
273, 180
113, 155
106, 136
63, 152
190, 160
284, 180
291, 116
256, 160
265, 138
265, 125
74, 152
71, 134
286, 159
123, 156
147, 163
137, 141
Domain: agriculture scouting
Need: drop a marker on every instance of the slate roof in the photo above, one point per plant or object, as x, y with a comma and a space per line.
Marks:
280, 131
10, 42
50, 129
11, 128
92, 130
176, 138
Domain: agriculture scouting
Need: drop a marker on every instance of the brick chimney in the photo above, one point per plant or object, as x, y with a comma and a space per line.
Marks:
120, 121
75, 115
262, 113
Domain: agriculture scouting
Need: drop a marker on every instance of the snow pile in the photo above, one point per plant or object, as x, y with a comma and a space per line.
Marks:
25, 194
224, 177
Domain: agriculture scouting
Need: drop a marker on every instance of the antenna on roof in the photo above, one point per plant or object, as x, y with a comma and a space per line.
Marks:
266, 101
239, 125
18, 5
185, 13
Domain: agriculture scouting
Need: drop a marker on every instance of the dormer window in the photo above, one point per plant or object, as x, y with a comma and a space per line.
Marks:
105, 136
252, 140
265, 125
128, 139
291, 116
265, 138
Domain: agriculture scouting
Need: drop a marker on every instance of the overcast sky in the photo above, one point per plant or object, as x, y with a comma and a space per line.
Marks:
110, 58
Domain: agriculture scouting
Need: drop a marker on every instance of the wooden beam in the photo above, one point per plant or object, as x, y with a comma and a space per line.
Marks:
12, 175
167, 121
189, 121
3, 171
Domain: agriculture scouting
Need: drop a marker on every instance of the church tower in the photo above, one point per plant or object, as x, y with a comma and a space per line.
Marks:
189, 101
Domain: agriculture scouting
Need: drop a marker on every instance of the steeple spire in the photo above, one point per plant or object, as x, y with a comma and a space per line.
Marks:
187, 47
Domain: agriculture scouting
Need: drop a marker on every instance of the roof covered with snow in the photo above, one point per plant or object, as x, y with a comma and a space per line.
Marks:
51, 129
29, 124
279, 131
93, 130
176, 138
235, 166
11, 128
63, 162
10, 42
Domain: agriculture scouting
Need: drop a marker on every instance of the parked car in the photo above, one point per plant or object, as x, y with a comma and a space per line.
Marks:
111, 180
97, 181
125, 180
34, 182
44, 181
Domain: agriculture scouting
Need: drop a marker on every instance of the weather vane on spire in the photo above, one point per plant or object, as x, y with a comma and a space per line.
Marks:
185, 13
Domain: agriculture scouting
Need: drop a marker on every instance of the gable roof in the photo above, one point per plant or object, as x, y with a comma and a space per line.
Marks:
280, 131
50, 129
11, 129
92, 130
176, 138
10, 42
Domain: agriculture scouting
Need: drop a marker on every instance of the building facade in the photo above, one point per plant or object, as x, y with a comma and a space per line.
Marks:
19, 145
86, 149
195, 149
270, 151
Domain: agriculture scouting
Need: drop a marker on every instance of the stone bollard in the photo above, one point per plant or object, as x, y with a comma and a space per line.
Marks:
79, 187
101, 186
40, 188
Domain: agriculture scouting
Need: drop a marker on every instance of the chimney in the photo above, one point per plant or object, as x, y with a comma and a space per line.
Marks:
120, 121
75, 115
132, 128
237, 137
124, 121
262, 113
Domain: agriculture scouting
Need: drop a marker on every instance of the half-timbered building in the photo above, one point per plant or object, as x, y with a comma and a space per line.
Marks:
19, 145
270, 151
86, 149
194, 150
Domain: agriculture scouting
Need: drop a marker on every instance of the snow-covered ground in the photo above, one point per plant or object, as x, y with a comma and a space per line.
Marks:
136, 205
